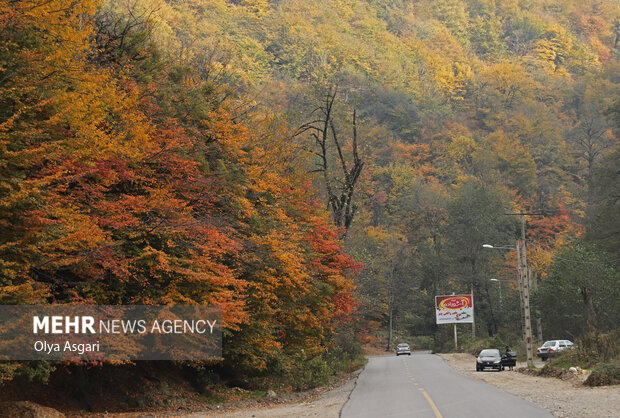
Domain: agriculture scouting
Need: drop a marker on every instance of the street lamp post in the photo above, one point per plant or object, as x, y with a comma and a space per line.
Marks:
500, 287
518, 282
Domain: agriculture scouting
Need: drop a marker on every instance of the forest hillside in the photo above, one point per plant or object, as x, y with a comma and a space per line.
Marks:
320, 169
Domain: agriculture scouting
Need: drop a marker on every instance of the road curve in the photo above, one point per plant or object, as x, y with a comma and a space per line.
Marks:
423, 385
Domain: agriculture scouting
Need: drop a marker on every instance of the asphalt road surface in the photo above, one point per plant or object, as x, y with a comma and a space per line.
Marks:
422, 385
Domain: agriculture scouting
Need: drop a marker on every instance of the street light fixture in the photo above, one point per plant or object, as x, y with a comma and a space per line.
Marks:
500, 247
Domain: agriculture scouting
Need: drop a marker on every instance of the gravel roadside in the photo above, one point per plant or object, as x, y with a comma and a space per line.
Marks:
563, 398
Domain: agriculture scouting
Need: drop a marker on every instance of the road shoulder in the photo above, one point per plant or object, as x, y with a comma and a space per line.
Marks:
327, 405
563, 398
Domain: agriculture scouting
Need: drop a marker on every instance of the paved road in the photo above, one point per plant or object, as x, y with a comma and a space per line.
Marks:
422, 385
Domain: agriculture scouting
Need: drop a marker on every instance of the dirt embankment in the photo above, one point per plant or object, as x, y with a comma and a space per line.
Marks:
326, 401
563, 397
321, 402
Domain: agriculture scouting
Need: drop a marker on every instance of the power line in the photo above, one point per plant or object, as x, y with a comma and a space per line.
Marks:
527, 213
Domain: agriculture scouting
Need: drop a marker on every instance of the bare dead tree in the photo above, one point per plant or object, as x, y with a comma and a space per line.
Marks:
123, 38
339, 181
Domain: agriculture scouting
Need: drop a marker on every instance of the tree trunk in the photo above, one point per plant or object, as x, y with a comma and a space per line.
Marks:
590, 315
492, 324
389, 343
340, 184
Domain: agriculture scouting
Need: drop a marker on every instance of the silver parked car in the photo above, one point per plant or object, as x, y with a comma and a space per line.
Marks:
402, 348
551, 347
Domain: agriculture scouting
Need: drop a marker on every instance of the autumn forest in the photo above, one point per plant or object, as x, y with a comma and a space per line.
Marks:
319, 169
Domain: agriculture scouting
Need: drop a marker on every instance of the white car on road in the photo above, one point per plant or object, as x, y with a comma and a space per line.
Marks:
551, 347
403, 348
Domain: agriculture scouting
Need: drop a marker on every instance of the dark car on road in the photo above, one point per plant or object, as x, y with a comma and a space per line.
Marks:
489, 359
402, 348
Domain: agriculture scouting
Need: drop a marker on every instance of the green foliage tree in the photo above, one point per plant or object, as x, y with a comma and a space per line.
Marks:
581, 292
477, 217
604, 210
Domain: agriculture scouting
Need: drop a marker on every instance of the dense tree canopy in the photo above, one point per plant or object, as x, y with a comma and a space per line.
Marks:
166, 152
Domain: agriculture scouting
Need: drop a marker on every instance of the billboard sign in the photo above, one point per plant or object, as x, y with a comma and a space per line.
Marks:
454, 309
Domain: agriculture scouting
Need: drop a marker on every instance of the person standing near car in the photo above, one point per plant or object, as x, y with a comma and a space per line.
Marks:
508, 355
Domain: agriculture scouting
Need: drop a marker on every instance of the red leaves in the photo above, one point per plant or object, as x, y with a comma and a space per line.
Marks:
125, 192
545, 230
344, 307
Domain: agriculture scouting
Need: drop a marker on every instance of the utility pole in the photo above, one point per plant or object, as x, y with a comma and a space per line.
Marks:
389, 342
524, 285
520, 285
390, 306
539, 334
525, 292
526, 304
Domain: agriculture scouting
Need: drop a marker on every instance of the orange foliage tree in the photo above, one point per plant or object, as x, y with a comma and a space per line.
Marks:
131, 180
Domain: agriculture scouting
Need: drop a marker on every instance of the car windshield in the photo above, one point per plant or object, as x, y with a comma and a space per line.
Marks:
489, 353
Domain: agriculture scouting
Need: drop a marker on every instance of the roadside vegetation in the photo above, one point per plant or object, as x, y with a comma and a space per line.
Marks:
599, 354
319, 169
